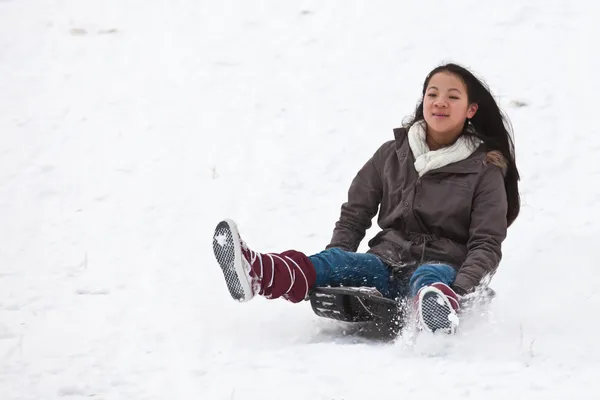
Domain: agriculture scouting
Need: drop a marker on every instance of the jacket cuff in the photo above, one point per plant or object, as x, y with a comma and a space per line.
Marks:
461, 285
459, 290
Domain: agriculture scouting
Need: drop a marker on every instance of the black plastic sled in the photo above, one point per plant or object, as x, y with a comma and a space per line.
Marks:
365, 307
379, 316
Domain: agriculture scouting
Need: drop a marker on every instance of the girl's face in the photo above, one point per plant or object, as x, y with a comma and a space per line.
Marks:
446, 107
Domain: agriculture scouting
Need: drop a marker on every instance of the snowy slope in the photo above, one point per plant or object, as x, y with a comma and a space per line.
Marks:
129, 128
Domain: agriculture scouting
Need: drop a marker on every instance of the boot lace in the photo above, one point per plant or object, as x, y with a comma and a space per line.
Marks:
255, 257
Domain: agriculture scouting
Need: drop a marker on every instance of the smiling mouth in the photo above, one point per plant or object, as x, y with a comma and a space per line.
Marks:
440, 115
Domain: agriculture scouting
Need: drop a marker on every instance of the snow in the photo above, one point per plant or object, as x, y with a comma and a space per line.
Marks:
129, 128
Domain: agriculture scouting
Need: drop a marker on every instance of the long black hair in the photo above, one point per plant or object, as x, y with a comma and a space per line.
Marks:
491, 125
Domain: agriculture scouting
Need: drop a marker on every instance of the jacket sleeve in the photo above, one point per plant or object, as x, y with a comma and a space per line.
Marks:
364, 196
487, 231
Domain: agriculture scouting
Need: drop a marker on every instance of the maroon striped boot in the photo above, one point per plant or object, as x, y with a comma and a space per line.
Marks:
437, 307
289, 274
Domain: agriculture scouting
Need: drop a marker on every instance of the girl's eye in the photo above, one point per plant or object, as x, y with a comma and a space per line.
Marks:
454, 97
431, 95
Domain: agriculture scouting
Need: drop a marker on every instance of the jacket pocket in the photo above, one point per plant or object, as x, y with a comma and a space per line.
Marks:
377, 238
454, 181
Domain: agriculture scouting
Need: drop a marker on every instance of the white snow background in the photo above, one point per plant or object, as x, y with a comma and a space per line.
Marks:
128, 129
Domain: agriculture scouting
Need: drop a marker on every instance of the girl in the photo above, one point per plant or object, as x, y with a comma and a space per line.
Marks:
446, 188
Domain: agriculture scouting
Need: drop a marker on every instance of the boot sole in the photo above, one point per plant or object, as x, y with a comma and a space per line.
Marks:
436, 313
228, 252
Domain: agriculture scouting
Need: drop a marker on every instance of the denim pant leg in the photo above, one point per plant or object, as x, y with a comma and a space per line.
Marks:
427, 274
336, 267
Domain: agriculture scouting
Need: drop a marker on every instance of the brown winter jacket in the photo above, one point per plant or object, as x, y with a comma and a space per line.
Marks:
454, 214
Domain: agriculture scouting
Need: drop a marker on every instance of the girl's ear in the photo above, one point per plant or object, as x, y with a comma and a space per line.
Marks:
472, 110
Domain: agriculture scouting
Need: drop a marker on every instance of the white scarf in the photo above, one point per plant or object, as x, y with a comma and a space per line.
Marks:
427, 160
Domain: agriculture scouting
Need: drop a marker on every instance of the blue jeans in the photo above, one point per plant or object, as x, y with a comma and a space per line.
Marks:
336, 267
